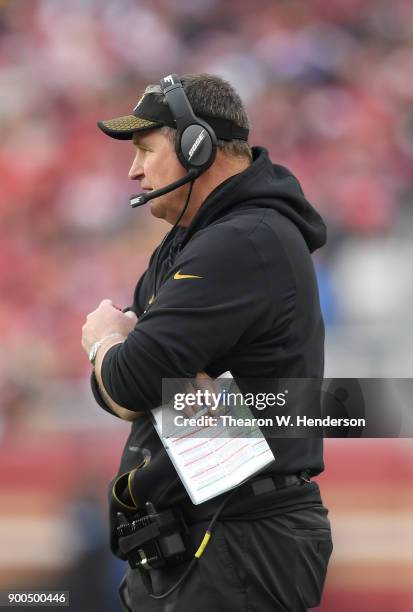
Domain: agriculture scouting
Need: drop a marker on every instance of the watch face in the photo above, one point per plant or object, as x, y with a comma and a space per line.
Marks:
92, 354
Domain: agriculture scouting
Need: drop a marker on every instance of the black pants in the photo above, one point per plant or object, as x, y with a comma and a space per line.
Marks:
267, 565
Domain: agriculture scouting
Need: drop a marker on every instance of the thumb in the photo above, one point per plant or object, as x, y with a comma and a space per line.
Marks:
131, 315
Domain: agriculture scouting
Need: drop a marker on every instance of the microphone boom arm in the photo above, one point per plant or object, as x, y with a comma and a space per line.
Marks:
142, 198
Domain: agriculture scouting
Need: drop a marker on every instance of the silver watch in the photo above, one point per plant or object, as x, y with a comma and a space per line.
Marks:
96, 346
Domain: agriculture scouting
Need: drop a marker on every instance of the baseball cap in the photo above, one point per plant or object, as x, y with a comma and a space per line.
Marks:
150, 113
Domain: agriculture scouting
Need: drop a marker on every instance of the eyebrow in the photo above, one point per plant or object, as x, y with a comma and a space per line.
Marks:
140, 145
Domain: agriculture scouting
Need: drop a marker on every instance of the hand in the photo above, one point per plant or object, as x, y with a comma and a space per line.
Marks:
202, 382
105, 320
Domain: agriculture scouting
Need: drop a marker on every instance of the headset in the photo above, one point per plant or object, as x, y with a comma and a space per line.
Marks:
195, 140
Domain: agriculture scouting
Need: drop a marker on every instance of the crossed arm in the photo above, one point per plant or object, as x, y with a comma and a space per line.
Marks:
107, 320
123, 413
104, 321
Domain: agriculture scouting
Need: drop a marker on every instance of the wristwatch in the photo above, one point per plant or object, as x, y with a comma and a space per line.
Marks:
96, 346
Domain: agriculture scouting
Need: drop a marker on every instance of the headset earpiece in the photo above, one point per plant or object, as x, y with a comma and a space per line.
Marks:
196, 146
195, 142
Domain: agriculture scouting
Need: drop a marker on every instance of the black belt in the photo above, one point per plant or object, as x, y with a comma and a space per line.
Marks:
245, 498
157, 539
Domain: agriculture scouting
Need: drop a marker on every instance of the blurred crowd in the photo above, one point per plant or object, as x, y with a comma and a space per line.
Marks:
328, 89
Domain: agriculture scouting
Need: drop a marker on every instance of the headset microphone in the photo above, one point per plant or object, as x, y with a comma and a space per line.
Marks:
142, 198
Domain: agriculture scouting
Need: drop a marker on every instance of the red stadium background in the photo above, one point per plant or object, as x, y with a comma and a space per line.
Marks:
329, 91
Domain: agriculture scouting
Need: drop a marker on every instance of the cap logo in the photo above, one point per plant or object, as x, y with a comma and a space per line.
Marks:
169, 79
139, 101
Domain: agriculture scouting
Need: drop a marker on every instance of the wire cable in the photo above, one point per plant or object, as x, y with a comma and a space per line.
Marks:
199, 552
175, 225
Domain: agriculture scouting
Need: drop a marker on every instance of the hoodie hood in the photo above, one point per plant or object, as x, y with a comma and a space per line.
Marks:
263, 185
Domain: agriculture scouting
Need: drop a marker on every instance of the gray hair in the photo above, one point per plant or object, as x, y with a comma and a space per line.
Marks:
211, 96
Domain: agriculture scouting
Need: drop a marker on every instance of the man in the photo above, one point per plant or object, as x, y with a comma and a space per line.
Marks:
231, 288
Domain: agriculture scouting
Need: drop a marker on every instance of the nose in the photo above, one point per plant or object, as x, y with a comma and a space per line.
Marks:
136, 169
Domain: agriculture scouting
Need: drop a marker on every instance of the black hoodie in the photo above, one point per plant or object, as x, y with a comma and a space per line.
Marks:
253, 309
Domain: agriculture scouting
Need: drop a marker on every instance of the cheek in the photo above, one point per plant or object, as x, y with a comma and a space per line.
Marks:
153, 172
163, 168
171, 165
179, 168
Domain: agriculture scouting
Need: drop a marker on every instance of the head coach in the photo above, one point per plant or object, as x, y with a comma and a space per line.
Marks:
230, 288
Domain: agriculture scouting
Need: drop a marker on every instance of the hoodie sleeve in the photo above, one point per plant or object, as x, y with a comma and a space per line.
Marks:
215, 292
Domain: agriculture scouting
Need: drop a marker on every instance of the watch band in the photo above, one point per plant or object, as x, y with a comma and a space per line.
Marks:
96, 346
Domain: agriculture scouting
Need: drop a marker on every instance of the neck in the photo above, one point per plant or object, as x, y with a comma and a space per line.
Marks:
222, 169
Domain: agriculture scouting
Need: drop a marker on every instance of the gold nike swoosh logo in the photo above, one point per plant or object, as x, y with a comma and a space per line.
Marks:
179, 276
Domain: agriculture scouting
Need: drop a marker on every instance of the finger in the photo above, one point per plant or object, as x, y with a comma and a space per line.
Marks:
131, 315
106, 302
189, 410
206, 383
200, 383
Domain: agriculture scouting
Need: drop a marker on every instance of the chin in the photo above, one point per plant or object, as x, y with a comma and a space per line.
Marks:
162, 208
157, 209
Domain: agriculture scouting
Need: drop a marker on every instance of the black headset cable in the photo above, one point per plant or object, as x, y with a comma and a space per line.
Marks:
155, 288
